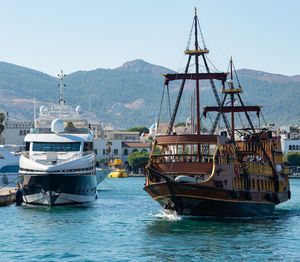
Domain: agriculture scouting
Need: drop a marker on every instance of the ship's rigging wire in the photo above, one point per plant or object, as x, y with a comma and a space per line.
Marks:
215, 41
169, 102
190, 37
236, 75
265, 122
161, 102
204, 45
212, 64
241, 120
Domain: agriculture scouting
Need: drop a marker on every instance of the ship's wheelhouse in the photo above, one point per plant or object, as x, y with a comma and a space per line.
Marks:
189, 155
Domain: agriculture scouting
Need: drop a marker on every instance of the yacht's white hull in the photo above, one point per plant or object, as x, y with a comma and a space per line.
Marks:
101, 174
72, 182
62, 199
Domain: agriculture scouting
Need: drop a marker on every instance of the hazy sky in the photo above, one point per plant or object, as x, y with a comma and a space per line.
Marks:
89, 34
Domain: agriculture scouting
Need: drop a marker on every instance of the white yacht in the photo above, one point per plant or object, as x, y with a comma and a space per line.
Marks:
58, 164
9, 165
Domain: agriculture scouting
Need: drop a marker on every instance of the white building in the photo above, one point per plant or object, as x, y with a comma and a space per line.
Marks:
131, 147
100, 148
15, 132
290, 145
119, 148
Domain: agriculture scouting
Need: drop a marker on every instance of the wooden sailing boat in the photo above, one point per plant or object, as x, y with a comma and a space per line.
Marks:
216, 174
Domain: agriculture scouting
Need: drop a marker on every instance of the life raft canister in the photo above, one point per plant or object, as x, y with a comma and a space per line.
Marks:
236, 169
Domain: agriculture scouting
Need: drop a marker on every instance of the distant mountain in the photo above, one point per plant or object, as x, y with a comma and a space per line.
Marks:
130, 95
141, 67
263, 76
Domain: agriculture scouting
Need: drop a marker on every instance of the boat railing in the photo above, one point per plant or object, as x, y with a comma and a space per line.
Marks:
41, 130
253, 167
56, 160
181, 158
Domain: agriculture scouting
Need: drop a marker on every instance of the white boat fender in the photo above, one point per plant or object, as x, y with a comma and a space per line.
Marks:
185, 179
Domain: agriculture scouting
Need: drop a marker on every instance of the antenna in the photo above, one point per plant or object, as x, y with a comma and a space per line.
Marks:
61, 85
34, 110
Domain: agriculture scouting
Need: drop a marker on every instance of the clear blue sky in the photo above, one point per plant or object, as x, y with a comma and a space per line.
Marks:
89, 34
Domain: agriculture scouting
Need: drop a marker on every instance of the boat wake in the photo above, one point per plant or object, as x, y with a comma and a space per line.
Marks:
167, 216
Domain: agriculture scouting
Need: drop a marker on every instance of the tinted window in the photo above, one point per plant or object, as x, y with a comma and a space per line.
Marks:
88, 146
57, 147
27, 145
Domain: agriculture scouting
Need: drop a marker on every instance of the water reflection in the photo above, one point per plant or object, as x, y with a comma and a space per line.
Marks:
211, 238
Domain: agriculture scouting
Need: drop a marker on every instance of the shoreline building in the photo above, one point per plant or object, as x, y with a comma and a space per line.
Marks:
15, 131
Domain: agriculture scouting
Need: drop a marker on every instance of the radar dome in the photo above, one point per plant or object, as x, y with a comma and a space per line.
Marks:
79, 110
57, 126
43, 109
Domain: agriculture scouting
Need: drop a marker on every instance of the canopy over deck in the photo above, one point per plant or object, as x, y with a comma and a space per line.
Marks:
229, 109
195, 76
187, 139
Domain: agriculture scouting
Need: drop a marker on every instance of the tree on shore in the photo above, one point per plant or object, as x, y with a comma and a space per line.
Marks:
293, 158
137, 160
108, 148
140, 129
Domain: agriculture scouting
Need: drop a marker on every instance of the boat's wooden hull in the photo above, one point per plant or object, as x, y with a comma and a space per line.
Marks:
187, 199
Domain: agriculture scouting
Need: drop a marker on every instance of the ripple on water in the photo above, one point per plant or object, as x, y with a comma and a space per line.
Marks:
125, 224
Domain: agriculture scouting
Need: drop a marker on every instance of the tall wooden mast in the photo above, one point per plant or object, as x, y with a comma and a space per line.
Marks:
194, 76
197, 72
232, 100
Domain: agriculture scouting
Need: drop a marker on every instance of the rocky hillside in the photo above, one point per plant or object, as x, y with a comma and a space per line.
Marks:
130, 95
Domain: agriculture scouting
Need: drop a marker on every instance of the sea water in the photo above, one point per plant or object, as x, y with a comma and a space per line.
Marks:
125, 224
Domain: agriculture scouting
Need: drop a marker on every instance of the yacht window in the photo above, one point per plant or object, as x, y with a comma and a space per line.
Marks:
1, 157
27, 146
88, 146
57, 147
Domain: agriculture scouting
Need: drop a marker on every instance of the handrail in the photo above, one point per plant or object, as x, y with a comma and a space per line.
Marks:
182, 158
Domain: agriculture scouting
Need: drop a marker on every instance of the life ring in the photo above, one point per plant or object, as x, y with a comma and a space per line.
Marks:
236, 169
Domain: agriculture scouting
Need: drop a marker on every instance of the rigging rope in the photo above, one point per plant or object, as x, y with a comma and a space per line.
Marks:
10, 182
169, 100
241, 120
264, 119
204, 45
161, 102
190, 37
212, 64
236, 75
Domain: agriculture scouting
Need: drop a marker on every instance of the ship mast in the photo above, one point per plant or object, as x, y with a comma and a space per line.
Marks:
192, 76
197, 72
61, 85
232, 100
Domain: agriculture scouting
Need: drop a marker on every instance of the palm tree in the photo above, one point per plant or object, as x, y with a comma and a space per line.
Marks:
108, 148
